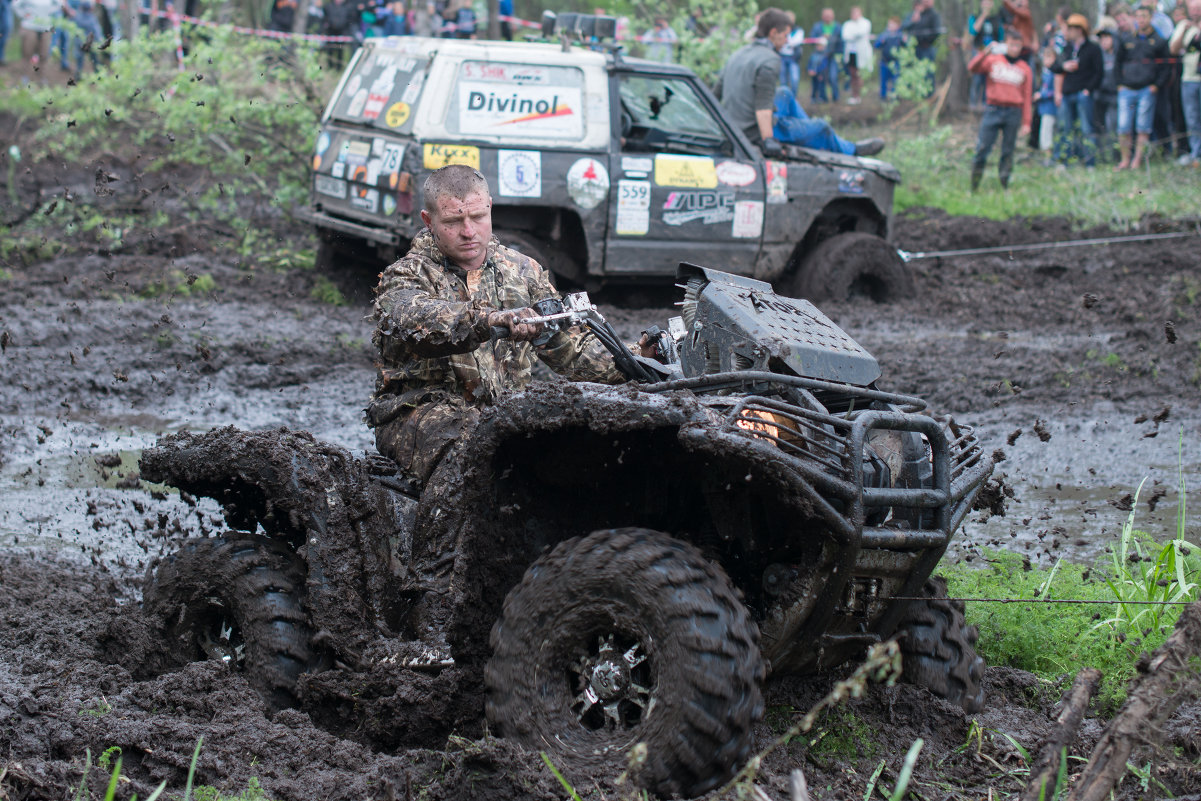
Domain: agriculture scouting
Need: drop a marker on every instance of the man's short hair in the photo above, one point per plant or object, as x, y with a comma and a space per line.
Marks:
453, 180
770, 20
1119, 8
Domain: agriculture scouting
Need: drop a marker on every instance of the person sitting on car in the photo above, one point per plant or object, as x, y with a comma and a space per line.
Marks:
747, 90
434, 310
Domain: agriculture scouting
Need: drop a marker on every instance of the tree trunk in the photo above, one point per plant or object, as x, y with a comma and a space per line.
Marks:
494, 19
129, 19
955, 18
302, 17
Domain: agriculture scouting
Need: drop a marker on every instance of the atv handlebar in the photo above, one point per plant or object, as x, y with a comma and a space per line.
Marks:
576, 309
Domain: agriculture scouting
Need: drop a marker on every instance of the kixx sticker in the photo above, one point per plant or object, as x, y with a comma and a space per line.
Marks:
519, 173
694, 172
437, 156
736, 173
588, 183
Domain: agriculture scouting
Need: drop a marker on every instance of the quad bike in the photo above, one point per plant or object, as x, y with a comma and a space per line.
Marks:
622, 565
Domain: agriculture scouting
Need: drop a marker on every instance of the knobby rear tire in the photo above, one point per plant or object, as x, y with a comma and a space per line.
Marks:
252, 585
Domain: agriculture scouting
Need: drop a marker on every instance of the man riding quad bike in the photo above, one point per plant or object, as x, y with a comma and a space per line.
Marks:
619, 564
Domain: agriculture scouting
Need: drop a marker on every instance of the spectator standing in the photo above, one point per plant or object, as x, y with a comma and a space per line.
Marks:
826, 28
315, 21
397, 23
790, 57
1105, 107
425, 16
1160, 21
505, 9
660, 41
464, 19
1082, 67
984, 29
1016, 15
1008, 89
283, 14
1186, 42
1055, 33
1047, 106
340, 19
36, 17
888, 43
817, 71
857, 51
1142, 71
924, 26
6, 26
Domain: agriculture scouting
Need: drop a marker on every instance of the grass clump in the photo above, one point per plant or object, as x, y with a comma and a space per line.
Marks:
325, 291
935, 169
1050, 639
253, 792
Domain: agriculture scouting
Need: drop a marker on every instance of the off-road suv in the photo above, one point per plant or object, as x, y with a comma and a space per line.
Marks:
603, 168
659, 548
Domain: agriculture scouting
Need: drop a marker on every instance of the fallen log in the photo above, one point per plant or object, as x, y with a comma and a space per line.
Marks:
1046, 767
1168, 678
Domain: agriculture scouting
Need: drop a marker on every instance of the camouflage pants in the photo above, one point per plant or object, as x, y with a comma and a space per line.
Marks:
420, 436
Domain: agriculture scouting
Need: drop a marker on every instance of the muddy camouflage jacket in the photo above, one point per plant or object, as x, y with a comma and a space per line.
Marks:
432, 329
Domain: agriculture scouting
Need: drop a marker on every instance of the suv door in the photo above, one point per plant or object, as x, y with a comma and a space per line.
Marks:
686, 190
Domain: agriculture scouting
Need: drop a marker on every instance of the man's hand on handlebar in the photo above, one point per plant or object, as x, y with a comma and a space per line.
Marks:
511, 319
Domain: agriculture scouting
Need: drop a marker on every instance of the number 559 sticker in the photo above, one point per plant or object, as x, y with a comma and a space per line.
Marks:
633, 207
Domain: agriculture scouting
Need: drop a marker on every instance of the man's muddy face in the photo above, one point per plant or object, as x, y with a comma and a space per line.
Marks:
462, 228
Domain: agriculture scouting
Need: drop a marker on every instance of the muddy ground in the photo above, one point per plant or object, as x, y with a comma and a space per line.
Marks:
1080, 367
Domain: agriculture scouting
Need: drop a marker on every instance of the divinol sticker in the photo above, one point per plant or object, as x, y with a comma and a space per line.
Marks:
550, 111
588, 183
437, 156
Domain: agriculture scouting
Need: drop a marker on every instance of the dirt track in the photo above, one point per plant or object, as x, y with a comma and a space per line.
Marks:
105, 352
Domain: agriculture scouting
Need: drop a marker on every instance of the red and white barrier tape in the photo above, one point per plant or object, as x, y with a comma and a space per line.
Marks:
176, 19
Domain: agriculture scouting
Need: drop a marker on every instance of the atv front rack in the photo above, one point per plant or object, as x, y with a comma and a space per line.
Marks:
828, 451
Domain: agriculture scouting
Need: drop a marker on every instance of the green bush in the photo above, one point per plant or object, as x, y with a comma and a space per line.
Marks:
237, 124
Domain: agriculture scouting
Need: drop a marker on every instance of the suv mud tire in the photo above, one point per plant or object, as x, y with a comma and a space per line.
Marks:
657, 598
938, 649
238, 601
850, 264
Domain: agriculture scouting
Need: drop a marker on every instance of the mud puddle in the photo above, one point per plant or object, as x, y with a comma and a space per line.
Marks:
1075, 491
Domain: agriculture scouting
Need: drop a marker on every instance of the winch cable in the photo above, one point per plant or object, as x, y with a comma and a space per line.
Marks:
1074, 243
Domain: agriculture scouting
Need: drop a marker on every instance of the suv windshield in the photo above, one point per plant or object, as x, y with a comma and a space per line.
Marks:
382, 91
659, 113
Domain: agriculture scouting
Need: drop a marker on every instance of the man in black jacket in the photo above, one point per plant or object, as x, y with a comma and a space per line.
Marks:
1082, 67
1142, 68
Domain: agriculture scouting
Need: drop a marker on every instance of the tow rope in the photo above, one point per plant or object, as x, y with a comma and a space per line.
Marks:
1074, 243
